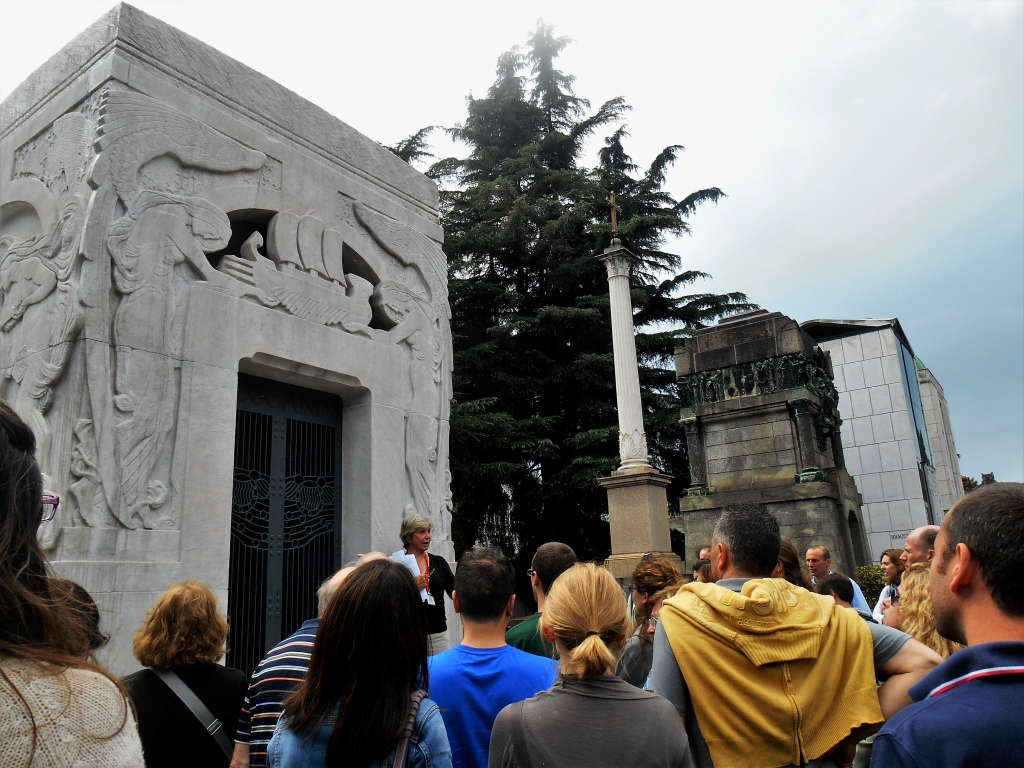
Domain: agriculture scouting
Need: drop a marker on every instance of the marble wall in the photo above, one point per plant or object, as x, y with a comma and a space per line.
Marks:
170, 218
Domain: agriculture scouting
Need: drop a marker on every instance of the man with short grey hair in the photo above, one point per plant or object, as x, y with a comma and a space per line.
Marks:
796, 663
280, 672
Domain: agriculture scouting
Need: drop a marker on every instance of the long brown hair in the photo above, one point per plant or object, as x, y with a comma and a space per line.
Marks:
184, 627
586, 612
894, 558
658, 578
793, 571
42, 618
370, 655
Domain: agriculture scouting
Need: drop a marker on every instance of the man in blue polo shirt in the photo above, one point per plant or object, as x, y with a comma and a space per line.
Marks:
969, 711
475, 680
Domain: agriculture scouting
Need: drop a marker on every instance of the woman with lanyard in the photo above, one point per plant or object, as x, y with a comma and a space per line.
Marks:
435, 576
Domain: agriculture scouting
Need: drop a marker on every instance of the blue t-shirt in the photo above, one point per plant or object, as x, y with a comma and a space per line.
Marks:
472, 685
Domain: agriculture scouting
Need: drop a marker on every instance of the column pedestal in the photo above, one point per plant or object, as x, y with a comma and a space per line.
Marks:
638, 516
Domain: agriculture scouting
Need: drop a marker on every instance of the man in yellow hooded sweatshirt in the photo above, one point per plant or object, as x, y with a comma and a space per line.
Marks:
766, 674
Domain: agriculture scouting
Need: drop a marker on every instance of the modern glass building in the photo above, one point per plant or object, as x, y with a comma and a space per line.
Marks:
886, 441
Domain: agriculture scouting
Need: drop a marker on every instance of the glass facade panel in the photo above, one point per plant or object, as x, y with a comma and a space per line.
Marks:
922, 447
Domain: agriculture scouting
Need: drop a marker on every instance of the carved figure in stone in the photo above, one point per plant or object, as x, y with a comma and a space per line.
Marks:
419, 268
415, 332
158, 250
87, 490
40, 316
159, 231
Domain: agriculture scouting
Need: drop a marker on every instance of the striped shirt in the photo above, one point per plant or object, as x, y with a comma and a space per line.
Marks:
280, 672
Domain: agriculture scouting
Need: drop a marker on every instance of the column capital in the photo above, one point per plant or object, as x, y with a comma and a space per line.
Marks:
618, 259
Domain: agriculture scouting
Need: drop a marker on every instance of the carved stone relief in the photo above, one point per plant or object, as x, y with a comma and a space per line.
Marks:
107, 224
40, 315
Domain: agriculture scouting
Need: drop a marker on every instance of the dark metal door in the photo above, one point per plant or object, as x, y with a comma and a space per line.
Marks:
285, 512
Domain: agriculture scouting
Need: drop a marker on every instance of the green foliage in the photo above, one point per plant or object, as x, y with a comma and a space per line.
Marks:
969, 483
534, 421
871, 579
414, 148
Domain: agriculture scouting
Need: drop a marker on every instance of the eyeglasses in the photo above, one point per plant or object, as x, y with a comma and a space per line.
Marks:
50, 504
895, 596
530, 572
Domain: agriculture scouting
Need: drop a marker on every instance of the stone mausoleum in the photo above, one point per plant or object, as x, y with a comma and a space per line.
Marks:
760, 414
224, 314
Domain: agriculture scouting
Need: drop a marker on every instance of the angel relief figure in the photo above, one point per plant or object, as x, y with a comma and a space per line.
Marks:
159, 231
416, 333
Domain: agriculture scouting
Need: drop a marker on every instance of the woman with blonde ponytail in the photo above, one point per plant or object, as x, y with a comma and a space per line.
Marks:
589, 716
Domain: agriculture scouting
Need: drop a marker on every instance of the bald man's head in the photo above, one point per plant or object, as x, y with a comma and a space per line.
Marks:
329, 587
920, 545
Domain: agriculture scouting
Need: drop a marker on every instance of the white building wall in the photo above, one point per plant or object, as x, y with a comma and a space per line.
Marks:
878, 435
940, 435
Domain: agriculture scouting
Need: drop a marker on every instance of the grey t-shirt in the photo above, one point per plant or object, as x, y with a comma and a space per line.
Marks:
667, 679
598, 721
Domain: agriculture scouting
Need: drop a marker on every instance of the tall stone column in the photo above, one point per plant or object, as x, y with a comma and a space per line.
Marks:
637, 501
632, 438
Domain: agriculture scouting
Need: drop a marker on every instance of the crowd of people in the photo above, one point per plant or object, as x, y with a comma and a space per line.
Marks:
755, 661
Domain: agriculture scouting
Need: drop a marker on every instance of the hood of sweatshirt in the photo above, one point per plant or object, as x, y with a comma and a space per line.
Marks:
768, 620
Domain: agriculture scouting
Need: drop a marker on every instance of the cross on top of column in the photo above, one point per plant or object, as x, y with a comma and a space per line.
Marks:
615, 213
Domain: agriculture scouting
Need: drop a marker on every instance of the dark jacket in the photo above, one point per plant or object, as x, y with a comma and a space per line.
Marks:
171, 734
441, 580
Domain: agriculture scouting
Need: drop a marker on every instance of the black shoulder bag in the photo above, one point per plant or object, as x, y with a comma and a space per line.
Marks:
212, 724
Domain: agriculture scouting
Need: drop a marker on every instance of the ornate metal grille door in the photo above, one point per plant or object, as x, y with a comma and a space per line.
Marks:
285, 512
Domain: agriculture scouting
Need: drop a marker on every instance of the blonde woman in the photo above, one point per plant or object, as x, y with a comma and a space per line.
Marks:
911, 611
435, 576
183, 634
589, 716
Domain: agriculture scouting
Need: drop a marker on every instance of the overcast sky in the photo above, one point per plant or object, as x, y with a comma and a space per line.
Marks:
872, 153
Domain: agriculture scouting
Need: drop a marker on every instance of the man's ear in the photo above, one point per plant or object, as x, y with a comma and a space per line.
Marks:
535, 580
721, 555
961, 568
835, 597
508, 608
455, 602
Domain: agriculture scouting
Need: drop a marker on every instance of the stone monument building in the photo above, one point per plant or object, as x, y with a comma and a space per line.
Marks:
761, 423
224, 314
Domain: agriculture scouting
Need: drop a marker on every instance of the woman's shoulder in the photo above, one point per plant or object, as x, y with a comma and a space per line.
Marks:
78, 711
430, 738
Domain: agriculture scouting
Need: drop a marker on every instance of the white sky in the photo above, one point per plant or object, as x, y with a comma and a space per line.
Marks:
873, 153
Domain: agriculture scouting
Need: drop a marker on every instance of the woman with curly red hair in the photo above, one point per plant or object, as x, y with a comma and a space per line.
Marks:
655, 578
183, 634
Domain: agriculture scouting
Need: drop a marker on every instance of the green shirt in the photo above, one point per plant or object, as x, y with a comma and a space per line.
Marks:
526, 637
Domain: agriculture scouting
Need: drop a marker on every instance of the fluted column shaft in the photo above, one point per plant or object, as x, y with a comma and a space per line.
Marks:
632, 438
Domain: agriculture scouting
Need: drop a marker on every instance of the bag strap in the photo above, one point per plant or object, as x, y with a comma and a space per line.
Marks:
519, 737
209, 721
402, 750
